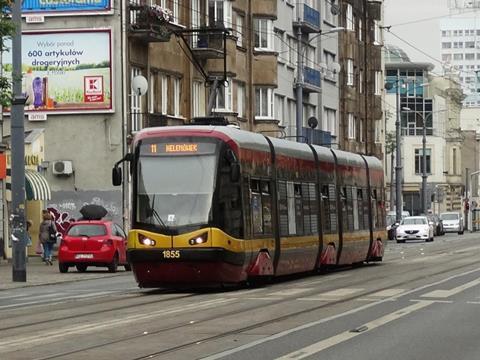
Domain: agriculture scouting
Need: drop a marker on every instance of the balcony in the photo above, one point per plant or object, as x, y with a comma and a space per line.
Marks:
317, 137
307, 18
311, 80
150, 23
208, 43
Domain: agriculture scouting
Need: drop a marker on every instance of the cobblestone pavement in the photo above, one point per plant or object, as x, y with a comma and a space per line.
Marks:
40, 274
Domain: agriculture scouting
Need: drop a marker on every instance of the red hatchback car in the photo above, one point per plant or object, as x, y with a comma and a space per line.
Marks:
93, 243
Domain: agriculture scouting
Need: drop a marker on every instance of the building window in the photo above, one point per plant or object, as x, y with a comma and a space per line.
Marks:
377, 34
470, 56
135, 105
351, 126
152, 93
360, 130
378, 83
330, 121
419, 161
263, 34
239, 28
349, 18
360, 30
220, 13
176, 96
241, 100
350, 77
280, 109
264, 103
224, 97
280, 46
378, 131
292, 51
329, 60
198, 99
454, 162
164, 94
360, 82
175, 11
446, 45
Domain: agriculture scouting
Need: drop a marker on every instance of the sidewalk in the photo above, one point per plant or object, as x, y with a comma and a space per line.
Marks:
40, 274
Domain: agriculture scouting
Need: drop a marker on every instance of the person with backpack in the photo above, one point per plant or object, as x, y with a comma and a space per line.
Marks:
47, 236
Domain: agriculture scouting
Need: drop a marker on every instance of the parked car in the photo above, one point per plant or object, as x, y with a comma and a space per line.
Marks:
437, 224
452, 222
391, 223
414, 228
93, 243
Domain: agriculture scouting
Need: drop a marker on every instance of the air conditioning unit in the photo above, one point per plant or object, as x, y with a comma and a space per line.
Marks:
62, 167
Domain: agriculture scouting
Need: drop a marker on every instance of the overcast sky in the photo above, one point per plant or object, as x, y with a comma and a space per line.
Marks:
418, 23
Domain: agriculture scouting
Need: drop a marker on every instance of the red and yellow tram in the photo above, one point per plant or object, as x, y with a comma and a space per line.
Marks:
214, 204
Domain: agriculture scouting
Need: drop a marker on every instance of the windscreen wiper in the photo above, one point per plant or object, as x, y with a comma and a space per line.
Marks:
154, 213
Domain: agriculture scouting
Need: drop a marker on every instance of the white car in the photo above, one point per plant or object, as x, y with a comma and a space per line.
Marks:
414, 228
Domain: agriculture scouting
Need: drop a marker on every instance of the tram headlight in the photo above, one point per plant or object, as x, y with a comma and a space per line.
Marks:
145, 240
197, 240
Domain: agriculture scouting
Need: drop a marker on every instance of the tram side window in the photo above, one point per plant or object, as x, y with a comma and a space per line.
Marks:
325, 209
298, 209
374, 209
228, 209
332, 199
312, 197
350, 208
261, 205
355, 208
283, 208
266, 207
380, 204
256, 206
366, 211
360, 209
343, 207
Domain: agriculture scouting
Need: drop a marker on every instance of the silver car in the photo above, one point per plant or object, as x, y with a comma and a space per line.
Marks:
452, 222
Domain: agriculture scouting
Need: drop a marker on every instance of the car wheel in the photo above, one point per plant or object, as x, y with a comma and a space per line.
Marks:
81, 267
460, 232
112, 267
127, 267
63, 268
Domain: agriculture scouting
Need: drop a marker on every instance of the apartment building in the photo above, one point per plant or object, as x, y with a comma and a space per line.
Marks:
431, 104
361, 78
204, 45
306, 39
460, 51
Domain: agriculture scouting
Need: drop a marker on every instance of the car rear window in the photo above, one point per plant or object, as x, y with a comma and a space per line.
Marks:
87, 230
449, 216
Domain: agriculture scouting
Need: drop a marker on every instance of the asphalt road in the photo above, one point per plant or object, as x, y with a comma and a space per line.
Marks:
422, 302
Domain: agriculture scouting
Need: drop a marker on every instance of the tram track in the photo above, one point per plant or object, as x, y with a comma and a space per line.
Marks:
248, 310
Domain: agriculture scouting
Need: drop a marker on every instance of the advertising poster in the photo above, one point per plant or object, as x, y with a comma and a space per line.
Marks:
61, 7
66, 71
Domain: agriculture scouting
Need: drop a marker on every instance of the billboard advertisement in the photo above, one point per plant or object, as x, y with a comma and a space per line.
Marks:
66, 71
62, 7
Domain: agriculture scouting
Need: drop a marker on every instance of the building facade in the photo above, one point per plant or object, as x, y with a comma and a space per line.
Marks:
72, 76
426, 105
361, 78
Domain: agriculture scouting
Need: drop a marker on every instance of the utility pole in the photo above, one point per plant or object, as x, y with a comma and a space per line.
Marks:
299, 86
424, 166
398, 167
392, 175
17, 217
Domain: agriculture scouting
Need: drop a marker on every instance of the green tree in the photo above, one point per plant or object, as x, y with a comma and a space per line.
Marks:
7, 29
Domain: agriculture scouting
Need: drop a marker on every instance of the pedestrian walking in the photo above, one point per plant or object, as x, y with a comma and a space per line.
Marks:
47, 236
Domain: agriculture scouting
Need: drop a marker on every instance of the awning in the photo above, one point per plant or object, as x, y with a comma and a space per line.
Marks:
36, 186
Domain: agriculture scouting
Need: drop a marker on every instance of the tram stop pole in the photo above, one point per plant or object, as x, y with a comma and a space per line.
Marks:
17, 131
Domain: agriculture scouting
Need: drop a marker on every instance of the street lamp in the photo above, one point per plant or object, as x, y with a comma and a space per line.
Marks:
424, 157
299, 84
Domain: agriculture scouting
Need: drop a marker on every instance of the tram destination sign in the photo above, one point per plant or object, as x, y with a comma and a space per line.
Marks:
177, 148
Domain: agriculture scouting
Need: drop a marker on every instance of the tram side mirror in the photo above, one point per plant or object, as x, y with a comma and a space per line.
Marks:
234, 172
117, 175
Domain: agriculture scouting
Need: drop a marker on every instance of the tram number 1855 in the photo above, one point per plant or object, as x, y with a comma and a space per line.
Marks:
171, 254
